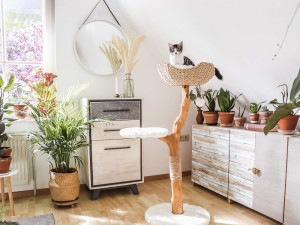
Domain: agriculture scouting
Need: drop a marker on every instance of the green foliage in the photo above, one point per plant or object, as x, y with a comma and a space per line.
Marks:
255, 107
265, 109
284, 109
197, 95
62, 131
241, 114
211, 96
225, 101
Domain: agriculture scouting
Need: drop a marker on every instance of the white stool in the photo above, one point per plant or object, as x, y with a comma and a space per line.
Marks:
8, 184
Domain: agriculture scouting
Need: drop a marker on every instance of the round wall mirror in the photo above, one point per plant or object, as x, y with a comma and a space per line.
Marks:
92, 49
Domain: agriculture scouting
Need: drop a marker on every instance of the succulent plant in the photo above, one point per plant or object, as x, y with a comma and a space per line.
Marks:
255, 107
211, 96
225, 101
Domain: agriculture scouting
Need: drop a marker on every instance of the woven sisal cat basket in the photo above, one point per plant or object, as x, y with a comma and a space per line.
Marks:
195, 76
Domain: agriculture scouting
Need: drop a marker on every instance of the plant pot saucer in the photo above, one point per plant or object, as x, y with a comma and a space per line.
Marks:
226, 125
1, 174
212, 124
287, 132
67, 203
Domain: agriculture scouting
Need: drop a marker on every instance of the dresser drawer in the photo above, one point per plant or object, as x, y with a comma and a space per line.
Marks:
116, 110
111, 130
116, 161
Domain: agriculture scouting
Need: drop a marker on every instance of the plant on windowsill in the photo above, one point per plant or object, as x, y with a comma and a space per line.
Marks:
6, 84
211, 116
240, 120
19, 95
254, 109
226, 103
62, 133
199, 102
264, 114
285, 113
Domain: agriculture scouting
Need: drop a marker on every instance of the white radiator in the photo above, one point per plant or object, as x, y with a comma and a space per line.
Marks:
20, 158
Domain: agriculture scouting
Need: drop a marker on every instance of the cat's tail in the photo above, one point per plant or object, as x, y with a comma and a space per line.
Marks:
218, 74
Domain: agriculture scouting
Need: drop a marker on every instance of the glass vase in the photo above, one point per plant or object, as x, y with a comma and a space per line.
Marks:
128, 87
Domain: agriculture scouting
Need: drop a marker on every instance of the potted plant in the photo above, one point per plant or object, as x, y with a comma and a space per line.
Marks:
226, 104
6, 84
211, 116
19, 95
285, 113
61, 133
240, 120
254, 108
264, 114
199, 103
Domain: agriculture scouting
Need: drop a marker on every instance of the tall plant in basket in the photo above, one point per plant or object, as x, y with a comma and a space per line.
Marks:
61, 134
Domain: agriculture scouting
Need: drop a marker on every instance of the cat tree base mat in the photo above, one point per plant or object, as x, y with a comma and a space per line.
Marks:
161, 214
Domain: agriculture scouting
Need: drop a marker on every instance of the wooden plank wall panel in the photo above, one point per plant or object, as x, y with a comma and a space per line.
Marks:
269, 186
210, 157
292, 197
242, 150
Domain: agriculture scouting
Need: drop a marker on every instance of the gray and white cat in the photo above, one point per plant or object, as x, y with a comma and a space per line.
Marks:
177, 58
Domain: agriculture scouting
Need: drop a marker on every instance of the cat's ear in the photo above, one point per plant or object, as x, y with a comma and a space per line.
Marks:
171, 47
181, 44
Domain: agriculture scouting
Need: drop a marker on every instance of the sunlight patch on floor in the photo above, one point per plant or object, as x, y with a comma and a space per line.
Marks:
225, 221
88, 219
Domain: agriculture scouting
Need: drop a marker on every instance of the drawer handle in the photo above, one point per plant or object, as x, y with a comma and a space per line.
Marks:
116, 110
117, 148
112, 130
254, 171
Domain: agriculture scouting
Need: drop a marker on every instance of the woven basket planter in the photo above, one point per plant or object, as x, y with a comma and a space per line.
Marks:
195, 76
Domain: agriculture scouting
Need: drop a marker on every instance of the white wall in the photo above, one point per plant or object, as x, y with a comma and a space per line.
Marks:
238, 36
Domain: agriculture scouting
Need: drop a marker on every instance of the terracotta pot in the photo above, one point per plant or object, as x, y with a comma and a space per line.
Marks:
239, 121
20, 111
5, 164
288, 123
254, 117
211, 117
199, 117
226, 118
264, 116
64, 187
7, 151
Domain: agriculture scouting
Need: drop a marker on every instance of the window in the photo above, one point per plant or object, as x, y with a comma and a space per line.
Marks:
21, 38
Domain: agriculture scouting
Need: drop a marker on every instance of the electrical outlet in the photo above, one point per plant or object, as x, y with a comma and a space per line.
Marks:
184, 137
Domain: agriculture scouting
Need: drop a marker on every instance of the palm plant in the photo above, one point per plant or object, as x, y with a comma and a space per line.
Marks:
62, 131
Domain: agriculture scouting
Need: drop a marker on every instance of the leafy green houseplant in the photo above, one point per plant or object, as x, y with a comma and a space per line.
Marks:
226, 103
61, 133
240, 120
211, 116
6, 84
285, 113
199, 102
254, 109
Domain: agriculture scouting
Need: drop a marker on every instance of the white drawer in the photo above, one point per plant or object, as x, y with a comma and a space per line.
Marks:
116, 161
111, 130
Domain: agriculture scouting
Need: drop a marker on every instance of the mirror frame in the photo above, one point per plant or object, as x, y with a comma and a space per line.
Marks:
77, 57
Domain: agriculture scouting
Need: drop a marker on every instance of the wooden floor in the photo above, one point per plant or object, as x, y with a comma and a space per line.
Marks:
120, 206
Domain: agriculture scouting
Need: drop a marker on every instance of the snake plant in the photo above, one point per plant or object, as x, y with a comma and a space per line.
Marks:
226, 101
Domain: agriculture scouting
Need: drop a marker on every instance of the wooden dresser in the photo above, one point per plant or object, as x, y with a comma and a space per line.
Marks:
250, 168
111, 160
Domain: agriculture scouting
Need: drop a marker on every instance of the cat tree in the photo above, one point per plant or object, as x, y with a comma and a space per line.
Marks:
181, 213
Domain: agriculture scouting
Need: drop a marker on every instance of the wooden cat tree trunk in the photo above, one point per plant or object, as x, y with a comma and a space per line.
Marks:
173, 141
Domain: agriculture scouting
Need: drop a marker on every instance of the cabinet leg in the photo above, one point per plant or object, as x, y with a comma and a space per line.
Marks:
230, 201
95, 194
134, 189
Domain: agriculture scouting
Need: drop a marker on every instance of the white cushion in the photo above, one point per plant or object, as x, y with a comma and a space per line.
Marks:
144, 132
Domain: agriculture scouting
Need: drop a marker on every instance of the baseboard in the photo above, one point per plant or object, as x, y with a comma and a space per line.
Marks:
164, 176
46, 191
